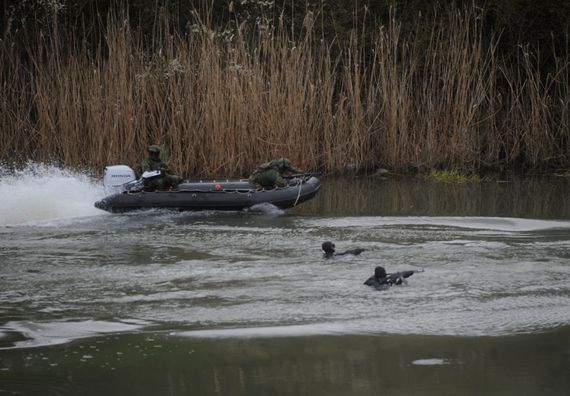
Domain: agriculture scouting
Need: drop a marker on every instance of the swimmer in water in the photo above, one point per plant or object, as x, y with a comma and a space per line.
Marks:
382, 281
328, 248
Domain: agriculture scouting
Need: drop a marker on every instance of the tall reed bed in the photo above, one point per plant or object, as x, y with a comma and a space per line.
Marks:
221, 102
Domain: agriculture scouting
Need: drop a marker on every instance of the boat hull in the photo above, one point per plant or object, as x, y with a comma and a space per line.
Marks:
194, 196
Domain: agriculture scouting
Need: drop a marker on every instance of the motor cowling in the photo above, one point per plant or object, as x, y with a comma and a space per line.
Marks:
116, 176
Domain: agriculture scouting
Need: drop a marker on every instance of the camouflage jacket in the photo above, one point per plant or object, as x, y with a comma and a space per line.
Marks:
281, 165
152, 164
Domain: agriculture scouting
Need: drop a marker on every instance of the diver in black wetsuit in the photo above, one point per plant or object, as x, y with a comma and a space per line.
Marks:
328, 248
382, 281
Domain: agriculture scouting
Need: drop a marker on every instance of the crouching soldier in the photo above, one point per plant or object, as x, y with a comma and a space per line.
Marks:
270, 174
166, 179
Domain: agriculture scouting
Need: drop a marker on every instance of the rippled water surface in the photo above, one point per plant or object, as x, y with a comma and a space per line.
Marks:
80, 285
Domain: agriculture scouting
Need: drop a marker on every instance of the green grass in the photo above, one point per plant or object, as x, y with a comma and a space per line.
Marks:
453, 176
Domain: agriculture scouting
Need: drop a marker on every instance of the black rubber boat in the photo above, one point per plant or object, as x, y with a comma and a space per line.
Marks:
210, 195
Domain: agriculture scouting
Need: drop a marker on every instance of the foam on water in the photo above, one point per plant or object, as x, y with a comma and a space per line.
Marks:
271, 331
42, 192
54, 333
430, 362
266, 208
482, 223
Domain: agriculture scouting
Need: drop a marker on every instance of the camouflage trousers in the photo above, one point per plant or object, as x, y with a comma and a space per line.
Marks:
163, 183
268, 178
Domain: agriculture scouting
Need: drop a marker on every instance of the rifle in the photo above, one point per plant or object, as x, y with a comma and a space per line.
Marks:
397, 278
302, 175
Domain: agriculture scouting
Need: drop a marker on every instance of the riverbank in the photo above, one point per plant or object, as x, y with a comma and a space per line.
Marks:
438, 96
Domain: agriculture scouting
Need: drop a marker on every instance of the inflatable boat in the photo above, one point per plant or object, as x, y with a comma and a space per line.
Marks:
130, 194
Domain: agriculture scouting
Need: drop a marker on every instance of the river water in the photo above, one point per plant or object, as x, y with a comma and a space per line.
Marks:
243, 303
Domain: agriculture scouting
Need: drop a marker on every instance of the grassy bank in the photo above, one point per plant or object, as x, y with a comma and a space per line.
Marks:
221, 101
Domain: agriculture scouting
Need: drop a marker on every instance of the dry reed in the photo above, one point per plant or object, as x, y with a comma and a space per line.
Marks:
222, 102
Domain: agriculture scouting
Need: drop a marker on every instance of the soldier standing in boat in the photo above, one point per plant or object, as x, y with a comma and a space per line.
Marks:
166, 179
270, 174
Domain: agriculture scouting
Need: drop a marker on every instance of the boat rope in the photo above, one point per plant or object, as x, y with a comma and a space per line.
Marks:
299, 193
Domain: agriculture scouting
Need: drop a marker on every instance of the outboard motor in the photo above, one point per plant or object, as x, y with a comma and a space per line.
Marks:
116, 177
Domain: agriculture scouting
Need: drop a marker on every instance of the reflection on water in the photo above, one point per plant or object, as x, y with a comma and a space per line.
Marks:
545, 198
156, 364
161, 302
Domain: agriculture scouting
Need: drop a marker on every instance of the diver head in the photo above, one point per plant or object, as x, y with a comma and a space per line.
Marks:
328, 247
379, 272
154, 151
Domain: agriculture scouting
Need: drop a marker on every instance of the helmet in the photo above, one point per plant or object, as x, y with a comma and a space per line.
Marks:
328, 247
379, 272
283, 164
153, 149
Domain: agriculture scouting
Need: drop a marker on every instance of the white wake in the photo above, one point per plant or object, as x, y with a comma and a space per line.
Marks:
41, 192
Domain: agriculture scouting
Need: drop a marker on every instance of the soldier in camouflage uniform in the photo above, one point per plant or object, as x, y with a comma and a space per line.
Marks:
153, 163
270, 174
